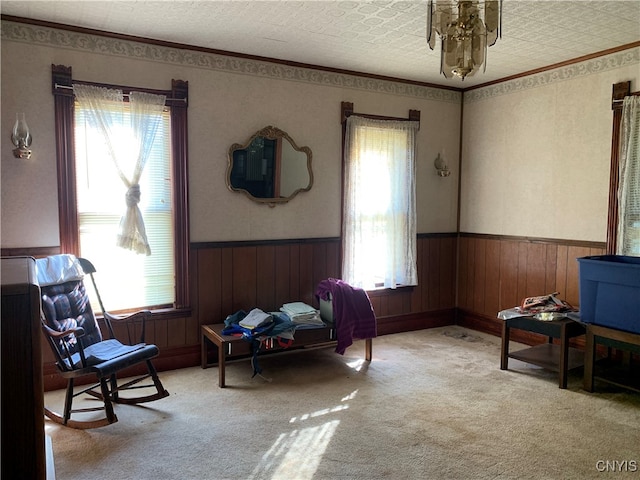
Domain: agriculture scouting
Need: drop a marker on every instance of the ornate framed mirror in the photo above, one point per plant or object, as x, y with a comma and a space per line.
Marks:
269, 168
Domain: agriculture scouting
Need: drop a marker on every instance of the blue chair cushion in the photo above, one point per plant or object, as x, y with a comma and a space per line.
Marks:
104, 351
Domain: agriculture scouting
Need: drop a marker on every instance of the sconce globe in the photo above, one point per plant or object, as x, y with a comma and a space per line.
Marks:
21, 137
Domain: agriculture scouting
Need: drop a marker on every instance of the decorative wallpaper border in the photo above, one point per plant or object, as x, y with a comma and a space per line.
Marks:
57, 38
561, 74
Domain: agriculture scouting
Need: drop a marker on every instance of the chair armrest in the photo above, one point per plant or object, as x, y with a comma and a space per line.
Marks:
77, 331
139, 316
132, 317
59, 342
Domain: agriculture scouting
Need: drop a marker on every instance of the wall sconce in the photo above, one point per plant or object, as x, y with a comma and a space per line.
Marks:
21, 137
441, 167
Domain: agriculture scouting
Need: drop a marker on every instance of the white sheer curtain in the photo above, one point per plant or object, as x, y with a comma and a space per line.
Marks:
129, 134
628, 239
379, 219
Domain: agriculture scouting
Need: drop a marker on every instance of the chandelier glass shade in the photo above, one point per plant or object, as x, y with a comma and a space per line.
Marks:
466, 28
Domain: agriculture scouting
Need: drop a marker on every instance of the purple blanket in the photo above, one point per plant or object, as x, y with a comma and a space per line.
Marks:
353, 314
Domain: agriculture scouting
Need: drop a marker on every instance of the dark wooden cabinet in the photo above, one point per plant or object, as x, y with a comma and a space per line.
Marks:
23, 438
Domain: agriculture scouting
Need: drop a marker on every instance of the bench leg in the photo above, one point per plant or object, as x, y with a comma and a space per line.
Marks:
203, 352
222, 351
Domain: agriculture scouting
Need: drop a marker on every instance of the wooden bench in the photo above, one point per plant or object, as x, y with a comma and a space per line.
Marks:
229, 345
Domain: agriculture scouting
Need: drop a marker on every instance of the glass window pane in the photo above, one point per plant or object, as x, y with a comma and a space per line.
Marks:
126, 280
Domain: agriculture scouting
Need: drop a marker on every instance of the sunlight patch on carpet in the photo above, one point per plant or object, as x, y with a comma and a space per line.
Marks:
318, 413
351, 396
296, 454
356, 364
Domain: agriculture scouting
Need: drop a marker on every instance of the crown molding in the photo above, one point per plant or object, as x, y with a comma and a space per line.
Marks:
184, 56
561, 74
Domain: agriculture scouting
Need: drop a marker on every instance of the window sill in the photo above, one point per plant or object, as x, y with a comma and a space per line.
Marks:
159, 313
386, 291
170, 313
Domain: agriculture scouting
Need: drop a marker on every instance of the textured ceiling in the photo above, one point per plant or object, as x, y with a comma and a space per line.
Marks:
384, 37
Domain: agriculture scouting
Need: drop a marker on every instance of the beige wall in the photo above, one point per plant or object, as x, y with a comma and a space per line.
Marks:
536, 151
535, 158
229, 99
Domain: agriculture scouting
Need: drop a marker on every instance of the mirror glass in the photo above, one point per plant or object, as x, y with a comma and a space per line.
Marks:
269, 168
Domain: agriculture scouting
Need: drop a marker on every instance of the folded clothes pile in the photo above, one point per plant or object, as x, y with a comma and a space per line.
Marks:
255, 318
302, 314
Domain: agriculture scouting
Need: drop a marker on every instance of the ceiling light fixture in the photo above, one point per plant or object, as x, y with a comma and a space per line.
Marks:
465, 30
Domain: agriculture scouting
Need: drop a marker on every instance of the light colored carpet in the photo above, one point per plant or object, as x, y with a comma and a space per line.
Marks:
432, 404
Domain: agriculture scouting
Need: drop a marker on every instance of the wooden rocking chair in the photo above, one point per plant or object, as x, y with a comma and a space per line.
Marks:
72, 331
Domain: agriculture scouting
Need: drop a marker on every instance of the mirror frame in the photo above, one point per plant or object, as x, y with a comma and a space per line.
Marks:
270, 133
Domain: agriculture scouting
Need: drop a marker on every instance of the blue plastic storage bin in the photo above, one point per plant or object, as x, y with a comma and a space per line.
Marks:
610, 291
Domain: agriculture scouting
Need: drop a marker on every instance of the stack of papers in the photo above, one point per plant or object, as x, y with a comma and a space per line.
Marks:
302, 314
255, 318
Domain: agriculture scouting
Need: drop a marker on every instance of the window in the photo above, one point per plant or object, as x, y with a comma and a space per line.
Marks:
623, 223
92, 202
379, 217
629, 187
147, 280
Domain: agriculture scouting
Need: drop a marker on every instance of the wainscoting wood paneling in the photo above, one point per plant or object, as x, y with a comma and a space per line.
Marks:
496, 273
436, 261
465, 279
234, 276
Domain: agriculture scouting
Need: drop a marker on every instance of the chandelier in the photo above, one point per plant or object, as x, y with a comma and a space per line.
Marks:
465, 30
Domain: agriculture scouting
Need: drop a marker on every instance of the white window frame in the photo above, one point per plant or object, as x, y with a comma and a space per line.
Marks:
379, 211
629, 179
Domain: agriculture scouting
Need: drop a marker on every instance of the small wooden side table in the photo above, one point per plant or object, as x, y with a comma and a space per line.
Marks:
558, 358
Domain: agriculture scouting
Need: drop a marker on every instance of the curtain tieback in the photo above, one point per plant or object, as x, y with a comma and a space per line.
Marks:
133, 195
